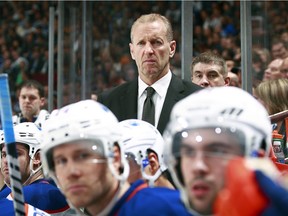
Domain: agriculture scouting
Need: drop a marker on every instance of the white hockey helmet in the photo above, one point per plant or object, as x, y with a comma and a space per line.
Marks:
224, 109
84, 120
138, 138
26, 133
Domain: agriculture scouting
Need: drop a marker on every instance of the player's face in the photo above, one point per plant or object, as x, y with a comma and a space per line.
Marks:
30, 102
83, 175
208, 75
204, 157
151, 50
23, 159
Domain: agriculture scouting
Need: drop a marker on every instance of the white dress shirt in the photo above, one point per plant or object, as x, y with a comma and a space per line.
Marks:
161, 87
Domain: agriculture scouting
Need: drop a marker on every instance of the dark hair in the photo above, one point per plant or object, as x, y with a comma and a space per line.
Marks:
33, 84
210, 57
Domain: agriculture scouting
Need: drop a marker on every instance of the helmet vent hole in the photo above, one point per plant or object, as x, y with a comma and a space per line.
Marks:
66, 134
52, 139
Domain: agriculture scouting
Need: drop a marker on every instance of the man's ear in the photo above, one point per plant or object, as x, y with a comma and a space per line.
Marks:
37, 159
227, 81
117, 157
153, 162
43, 100
132, 51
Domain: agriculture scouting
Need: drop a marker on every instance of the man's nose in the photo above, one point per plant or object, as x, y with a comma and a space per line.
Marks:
204, 81
148, 48
199, 164
73, 169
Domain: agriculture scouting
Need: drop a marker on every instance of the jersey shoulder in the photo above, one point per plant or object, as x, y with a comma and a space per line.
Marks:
154, 201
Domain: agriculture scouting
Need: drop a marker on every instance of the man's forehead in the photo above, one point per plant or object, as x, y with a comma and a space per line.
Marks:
73, 147
152, 29
204, 67
208, 136
30, 89
19, 146
276, 63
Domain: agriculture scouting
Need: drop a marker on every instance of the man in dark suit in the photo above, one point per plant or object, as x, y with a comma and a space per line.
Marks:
151, 47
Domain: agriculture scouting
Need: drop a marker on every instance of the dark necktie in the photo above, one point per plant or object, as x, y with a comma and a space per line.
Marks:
149, 108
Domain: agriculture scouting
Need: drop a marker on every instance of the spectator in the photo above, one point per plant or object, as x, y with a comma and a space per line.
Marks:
209, 70
279, 49
284, 68
151, 47
234, 80
273, 70
273, 94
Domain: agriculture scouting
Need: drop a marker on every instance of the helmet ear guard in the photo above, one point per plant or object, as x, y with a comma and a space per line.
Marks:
138, 137
123, 172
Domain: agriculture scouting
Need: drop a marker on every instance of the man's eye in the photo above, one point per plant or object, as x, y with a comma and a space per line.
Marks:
156, 43
217, 152
19, 153
212, 76
83, 156
140, 43
60, 161
188, 152
199, 76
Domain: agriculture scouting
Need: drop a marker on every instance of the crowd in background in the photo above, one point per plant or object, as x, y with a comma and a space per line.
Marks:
25, 24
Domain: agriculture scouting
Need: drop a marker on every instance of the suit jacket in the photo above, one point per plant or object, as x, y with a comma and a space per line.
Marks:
122, 100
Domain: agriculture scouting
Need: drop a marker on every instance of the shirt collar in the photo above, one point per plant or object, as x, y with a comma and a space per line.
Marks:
160, 85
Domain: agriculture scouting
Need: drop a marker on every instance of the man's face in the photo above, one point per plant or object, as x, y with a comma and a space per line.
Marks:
284, 69
230, 64
23, 159
204, 157
83, 175
279, 51
30, 102
273, 70
151, 50
208, 75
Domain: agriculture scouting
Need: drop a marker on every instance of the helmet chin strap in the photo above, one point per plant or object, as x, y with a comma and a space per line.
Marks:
151, 178
121, 179
32, 172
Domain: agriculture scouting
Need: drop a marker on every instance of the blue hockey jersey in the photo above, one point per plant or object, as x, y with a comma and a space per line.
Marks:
140, 200
42, 194
7, 209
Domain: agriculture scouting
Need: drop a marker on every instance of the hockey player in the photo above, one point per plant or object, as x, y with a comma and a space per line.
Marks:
143, 147
39, 192
208, 136
81, 151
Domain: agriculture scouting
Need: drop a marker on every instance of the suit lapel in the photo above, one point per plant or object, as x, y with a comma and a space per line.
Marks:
174, 94
128, 101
